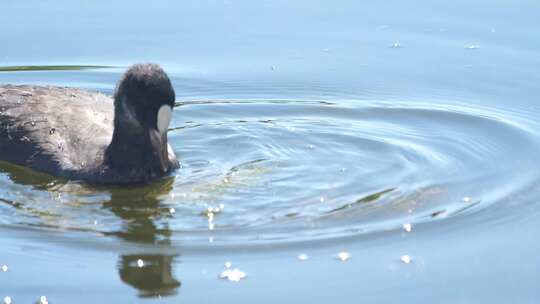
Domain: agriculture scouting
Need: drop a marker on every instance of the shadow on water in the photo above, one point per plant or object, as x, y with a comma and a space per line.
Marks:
138, 207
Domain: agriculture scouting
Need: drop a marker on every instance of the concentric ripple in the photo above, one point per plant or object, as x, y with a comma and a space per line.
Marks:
270, 171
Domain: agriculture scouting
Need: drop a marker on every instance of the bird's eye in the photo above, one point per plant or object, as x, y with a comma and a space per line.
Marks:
164, 118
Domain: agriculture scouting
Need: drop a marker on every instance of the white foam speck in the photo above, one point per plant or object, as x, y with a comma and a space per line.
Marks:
303, 257
233, 275
407, 227
406, 259
344, 256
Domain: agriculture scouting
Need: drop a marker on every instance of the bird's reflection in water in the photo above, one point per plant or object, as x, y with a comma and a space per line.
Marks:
150, 274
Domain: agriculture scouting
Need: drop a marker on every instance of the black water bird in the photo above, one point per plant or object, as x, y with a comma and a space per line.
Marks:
81, 135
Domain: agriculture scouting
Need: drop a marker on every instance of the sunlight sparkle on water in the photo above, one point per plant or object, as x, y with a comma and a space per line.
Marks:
303, 257
343, 256
406, 259
407, 227
43, 300
7, 300
466, 199
4, 268
140, 263
233, 275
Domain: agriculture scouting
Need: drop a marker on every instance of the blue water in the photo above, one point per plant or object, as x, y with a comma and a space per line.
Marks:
303, 128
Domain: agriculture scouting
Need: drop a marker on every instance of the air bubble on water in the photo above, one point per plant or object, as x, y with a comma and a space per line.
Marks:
4, 268
343, 256
407, 227
406, 259
140, 263
303, 257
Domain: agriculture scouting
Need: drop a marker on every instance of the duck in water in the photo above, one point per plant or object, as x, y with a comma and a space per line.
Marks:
81, 135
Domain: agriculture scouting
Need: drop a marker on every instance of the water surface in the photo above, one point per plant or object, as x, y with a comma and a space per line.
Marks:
303, 128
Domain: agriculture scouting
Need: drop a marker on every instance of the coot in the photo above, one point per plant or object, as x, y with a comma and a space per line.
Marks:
83, 135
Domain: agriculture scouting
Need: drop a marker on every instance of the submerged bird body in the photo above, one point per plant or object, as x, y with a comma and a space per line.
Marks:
83, 135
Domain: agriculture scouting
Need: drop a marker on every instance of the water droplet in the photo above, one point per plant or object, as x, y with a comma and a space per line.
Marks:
4, 268
407, 227
172, 211
43, 300
140, 263
321, 199
472, 47
466, 199
233, 275
343, 256
406, 259
303, 257
7, 300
